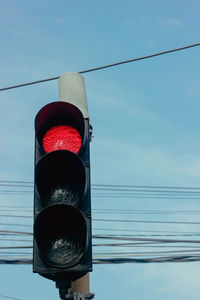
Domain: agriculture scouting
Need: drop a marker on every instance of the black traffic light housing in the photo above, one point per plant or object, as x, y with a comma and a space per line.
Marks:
62, 245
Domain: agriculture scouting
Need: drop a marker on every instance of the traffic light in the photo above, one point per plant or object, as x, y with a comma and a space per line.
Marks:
62, 246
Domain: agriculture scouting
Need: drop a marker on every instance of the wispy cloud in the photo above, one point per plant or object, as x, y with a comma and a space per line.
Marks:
193, 90
60, 20
170, 22
148, 42
129, 23
149, 164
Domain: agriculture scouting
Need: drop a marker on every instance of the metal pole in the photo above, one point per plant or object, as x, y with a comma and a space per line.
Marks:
81, 285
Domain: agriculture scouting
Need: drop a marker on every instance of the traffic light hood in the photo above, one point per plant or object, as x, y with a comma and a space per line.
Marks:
58, 113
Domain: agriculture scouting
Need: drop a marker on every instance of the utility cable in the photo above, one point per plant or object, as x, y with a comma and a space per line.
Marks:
144, 239
30, 184
12, 298
122, 220
175, 259
147, 221
105, 66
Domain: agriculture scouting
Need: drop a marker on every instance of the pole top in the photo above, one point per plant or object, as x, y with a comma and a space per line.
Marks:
72, 89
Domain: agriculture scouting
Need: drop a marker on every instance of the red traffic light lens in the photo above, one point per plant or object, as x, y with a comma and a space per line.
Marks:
62, 137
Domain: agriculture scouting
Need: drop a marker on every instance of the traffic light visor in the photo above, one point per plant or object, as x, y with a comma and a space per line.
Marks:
59, 125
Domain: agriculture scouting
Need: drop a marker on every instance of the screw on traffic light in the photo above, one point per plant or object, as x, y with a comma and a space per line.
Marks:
62, 246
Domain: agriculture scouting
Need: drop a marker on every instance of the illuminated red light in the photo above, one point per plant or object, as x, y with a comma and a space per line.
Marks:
62, 137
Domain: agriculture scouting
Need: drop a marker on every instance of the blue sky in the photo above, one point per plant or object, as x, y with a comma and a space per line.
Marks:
145, 117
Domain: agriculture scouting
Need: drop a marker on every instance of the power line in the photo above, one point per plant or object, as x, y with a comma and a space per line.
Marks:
122, 254
30, 183
18, 253
16, 181
16, 216
128, 241
139, 195
9, 232
147, 221
113, 211
120, 221
15, 240
144, 239
147, 197
143, 230
12, 298
144, 186
117, 220
144, 252
11, 224
184, 258
142, 211
105, 66
128, 190
16, 247
143, 190
175, 259
18, 207
154, 233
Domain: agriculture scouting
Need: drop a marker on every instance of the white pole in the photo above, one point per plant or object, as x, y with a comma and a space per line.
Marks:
72, 90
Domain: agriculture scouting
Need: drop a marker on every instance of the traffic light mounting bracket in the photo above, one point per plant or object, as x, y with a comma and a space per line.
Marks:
64, 286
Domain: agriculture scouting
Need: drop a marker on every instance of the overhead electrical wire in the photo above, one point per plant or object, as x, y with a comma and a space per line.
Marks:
30, 184
120, 196
138, 239
15, 224
130, 239
122, 254
106, 66
123, 221
158, 197
147, 221
120, 257
175, 259
144, 190
113, 191
15, 247
164, 233
143, 211
144, 186
150, 232
119, 220
16, 216
12, 298
12, 239
110, 211
194, 253
144, 252
118, 191
16, 232
144, 239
